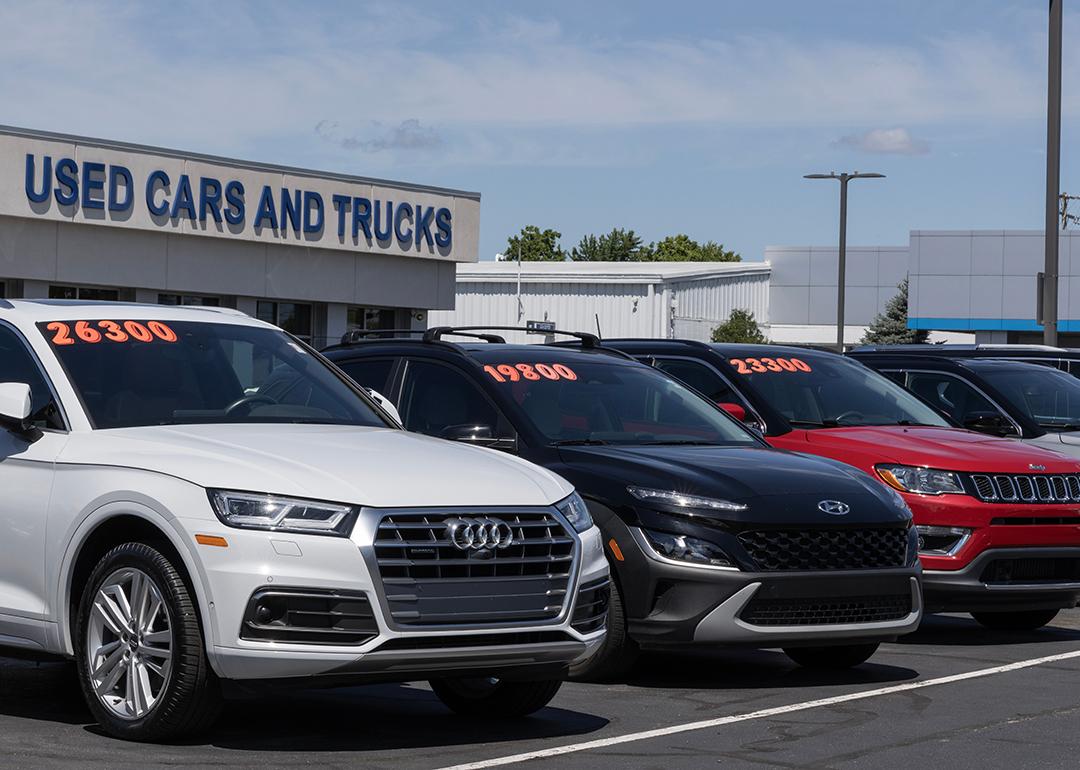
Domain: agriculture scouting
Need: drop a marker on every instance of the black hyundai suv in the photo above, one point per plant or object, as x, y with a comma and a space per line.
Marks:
713, 536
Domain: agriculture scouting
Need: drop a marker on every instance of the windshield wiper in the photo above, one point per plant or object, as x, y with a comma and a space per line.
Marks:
812, 424
580, 442
677, 442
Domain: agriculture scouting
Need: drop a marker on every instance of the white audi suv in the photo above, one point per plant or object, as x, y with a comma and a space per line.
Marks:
191, 496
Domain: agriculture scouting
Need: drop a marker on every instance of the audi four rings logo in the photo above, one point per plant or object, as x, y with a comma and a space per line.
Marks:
834, 507
479, 534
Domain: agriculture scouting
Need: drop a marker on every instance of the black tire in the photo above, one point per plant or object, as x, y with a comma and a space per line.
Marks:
832, 658
190, 699
495, 697
617, 654
1019, 620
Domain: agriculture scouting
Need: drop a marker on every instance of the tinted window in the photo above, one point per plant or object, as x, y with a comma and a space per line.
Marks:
209, 373
614, 403
370, 372
829, 391
17, 364
436, 398
1049, 397
701, 378
951, 395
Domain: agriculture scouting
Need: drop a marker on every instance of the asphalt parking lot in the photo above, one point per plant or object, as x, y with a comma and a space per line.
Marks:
1018, 706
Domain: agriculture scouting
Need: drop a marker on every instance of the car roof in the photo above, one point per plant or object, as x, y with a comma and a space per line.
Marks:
726, 349
31, 311
485, 352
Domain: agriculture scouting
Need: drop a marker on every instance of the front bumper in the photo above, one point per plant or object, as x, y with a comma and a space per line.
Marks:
257, 561
694, 605
975, 587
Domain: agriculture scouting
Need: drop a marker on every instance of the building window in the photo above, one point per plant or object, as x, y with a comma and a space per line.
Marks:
188, 300
293, 317
84, 293
372, 318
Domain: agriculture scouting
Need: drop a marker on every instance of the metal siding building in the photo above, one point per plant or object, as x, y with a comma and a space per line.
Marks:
627, 299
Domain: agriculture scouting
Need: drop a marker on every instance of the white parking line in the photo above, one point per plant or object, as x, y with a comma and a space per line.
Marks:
762, 714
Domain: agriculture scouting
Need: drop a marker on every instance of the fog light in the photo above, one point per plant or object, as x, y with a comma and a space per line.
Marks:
941, 541
687, 549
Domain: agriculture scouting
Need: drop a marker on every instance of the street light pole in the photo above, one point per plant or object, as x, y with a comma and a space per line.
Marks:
1049, 286
841, 267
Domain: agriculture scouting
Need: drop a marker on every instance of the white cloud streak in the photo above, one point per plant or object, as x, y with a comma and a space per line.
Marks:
885, 141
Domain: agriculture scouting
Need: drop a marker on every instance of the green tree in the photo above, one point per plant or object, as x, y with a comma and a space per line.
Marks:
739, 327
890, 326
683, 248
536, 245
617, 246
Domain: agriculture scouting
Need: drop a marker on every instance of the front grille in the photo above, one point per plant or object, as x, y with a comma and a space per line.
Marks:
1032, 570
428, 581
590, 611
1027, 488
826, 612
826, 549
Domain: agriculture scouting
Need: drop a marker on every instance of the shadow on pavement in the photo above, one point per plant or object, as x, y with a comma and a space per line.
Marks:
749, 669
41, 691
964, 631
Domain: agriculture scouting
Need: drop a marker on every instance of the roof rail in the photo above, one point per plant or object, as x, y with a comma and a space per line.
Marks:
1013, 346
436, 333
353, 336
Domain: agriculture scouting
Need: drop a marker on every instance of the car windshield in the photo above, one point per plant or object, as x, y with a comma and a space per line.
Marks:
130, 373
830, 391
1050, 397
587, 402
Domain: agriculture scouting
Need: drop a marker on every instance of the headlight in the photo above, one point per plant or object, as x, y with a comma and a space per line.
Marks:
941, 541
281, 514
923, 481
576, 512
687, 549
684, 501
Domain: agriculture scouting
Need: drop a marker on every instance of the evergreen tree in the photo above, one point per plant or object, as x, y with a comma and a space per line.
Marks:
890, 326
739, 327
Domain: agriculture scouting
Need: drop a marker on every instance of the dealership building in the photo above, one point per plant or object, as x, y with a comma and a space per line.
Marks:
313, 252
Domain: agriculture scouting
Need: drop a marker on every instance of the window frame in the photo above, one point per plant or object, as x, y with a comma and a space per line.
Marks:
44, 376
1020, 432
751, 412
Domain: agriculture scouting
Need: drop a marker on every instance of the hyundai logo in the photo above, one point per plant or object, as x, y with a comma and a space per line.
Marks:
834, 507
479, 534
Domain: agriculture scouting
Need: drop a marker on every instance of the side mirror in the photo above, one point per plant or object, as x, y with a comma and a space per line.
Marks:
386, 404
735, 410
15, 405
470, 434
992, 423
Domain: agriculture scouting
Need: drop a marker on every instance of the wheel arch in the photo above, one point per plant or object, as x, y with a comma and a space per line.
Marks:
111, 525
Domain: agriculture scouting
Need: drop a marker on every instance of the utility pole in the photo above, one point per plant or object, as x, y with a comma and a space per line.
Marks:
841, 269
1049, 303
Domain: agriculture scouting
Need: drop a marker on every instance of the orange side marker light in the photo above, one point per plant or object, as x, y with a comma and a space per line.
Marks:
615, 550
214, 540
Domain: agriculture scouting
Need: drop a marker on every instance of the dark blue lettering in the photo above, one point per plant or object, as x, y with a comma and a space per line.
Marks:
155, 179
404, 237
234, 200
443, 234
67, 188
341, 205
93, 181
290, 209
361, 217
116, 174
380, 234
209, 196
313, 225
46, 178
424, 218
266, 210
184, 200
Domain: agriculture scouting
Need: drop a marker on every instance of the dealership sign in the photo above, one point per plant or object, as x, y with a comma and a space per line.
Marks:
206, 196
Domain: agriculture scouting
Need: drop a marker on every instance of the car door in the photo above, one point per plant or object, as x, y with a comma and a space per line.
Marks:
26, 480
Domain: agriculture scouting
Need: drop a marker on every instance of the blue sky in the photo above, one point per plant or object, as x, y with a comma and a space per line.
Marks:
696, 117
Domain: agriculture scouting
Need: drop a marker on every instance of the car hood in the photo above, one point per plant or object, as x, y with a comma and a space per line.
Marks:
370, 466
776, 486
947, 448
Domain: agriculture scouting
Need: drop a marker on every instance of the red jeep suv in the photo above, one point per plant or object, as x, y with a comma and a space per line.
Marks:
998, 520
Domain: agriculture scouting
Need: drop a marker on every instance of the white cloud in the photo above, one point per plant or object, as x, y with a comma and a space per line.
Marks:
886, 141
